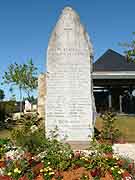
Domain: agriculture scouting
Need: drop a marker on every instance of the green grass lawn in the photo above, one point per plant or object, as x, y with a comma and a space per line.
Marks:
4, 133
126, 124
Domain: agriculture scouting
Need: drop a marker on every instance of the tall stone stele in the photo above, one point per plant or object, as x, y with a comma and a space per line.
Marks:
69, 102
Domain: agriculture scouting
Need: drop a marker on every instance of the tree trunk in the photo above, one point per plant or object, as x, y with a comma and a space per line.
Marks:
20, 89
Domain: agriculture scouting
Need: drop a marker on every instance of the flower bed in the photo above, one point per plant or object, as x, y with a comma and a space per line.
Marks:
29, 155
17, 164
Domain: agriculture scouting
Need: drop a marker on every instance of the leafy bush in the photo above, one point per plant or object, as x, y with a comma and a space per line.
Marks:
4, 146
29, 134
6, 110
58, 154
109, 131
100, 148
31, 137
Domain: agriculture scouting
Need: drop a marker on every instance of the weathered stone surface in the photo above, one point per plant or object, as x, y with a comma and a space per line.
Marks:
69, 99
41, 95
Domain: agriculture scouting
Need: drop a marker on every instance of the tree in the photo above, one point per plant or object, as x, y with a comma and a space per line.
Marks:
130, 49
23, 76
31, 99
2, 95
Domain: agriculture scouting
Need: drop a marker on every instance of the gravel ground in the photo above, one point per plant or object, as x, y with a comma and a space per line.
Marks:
126, 150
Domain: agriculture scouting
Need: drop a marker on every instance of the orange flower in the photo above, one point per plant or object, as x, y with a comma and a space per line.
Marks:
28, 156
39, 177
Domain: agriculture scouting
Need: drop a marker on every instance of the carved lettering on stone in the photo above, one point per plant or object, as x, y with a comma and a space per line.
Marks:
69, 99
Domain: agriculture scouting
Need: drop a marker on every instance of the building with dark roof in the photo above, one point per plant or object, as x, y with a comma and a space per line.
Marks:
114, 83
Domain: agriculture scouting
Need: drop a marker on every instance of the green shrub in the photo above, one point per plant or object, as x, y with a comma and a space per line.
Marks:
4, 146
6, 110
31, 137
109, 131
100, 148
29, 134
58, 154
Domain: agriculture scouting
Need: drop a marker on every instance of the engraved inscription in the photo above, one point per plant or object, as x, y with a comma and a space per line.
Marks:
69, 85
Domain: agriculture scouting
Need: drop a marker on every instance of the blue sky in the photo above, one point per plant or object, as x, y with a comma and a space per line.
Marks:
25, 27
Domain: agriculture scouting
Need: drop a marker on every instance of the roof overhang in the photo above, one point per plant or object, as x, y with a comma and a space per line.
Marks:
114, 75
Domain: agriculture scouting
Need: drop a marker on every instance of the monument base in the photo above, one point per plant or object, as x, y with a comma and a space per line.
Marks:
79, 145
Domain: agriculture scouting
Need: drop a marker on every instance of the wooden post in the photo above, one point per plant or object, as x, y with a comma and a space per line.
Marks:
120, 100
110, 101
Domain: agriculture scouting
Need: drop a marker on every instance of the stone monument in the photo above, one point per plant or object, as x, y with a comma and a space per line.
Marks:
69, 101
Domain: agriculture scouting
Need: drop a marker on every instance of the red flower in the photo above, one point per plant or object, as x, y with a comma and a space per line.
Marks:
23, 178
77, 154
126, 175
2, 164
31, 161
121, 162
109, 155
36, 169
130, 166
95, 172
5, 178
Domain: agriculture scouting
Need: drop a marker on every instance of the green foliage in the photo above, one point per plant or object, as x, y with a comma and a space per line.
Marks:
17, 168
58, 154
100, 148
2, 95
109, 131
106, 148
130, 49
23, 76
3, 147
29, 134
32, 142
96, 178
31, 137
84, 177
31, 99
4, 142
56, 157
6, 110
129, 165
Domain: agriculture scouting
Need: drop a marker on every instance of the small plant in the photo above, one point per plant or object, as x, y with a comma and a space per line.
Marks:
58, 154
4, 147
100, 148
109, 131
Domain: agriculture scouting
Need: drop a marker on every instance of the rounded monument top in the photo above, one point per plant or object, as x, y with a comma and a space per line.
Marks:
68, 8
69, 11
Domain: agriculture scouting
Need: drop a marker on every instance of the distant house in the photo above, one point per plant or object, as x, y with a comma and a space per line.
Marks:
114, 83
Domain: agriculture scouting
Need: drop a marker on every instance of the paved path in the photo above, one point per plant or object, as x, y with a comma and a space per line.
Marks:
126, 150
